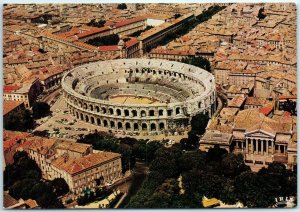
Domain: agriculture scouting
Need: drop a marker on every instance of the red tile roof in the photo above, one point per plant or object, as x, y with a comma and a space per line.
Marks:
8, 106
132, 42
10, 138
91, 31
31, 203
287, 97
73, 166
10, 88
108, 48
266, 110
125, 22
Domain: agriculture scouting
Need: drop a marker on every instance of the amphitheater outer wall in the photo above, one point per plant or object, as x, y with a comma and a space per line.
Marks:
161, 118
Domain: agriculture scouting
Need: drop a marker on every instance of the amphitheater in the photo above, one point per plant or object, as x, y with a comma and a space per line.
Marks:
139, 95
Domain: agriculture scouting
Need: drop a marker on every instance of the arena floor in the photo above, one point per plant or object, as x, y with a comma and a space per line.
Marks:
128, 99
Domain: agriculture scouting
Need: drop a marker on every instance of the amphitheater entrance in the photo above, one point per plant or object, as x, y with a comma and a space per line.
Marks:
127, 126
105, 123
161, 126
120, 126
136, 127
144, 126
153, 127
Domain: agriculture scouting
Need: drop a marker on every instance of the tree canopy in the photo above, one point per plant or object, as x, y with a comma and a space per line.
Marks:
122, 6
96, 23
19, 121
108, 40
130, 148
40, 109
23, 179
214, 174
261, 15
198, 125
199, 62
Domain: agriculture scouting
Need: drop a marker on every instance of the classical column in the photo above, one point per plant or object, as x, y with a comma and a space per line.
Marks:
247, 146
256, 146
267, 147
272, 145
262, 147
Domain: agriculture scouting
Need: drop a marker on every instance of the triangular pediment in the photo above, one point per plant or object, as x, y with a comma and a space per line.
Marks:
259, 133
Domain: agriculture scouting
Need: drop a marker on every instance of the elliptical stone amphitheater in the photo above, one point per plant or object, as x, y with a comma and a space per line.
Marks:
136, 95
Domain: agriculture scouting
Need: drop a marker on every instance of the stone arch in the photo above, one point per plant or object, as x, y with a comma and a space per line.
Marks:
98, 121
153, 127
97, 109
103, 109
134, 113
127, 126
151, 112
81, 116
161, 112
77, 115
144, 126
177, 110
92, 120
112, 124
199, 105
91, 107
84, 106
119, 113
143, 113
120, 125
111, 111
135, 127
87, 118
105, 123
126, 112
161, 126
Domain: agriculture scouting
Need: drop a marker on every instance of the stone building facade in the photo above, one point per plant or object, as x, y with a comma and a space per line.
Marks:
78, 164
260, 139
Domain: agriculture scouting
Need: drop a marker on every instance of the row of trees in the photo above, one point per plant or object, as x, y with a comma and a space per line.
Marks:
204, 16
130, 148
23, 179
24, 120
108, 40
122, 6
198, 126
216, 173
96, 23
199, 62
139, 32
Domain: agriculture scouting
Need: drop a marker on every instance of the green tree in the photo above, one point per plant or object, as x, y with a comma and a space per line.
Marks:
40, 109
199, 62
19, 121
261, 13
177, 15
22, 188
198, 125
122, 6
108, 40
60, 186
22, 168
233, 165
96, 23
249, 190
